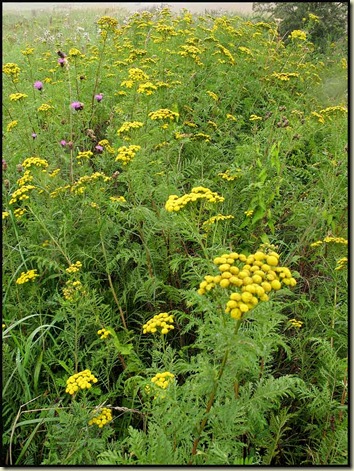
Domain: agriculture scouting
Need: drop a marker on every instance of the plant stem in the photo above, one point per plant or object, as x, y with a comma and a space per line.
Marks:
212, 397
111, 285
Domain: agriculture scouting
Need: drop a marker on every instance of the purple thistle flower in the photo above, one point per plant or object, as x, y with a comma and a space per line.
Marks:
38, 85
63, 143
76, 105
99, 97
34, 135
99, 149
61, 61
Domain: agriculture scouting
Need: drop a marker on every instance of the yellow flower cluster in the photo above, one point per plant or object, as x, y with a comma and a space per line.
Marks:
166, 29
249, 212
284, 76
127, 126
19, 212
12, 70
36, 161
103, 418
228, 176
107, 22
245, 50
28, 51
298, 34
341, 263
75, 52
213, 95
344, 63
17, 96
78, 187
105, 143
254, 117
191, 51
137, 75
127, 153
103, 333
29, 275
318, 116
5, 214
54, 173
201, 135
329, 239
26, 178
72, 289
11, 125
162, 380
295, 323
175, 203
45, 107
314, 18
118, 199
74, 267
21, 194
163, 321
81, 380
333, 109
163, 113
86, 154
148, 88
60, 189
212, 220
255, 277
127, 84
226, 53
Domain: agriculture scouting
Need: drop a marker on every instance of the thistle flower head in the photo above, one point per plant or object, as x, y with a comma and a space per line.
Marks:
77, 106
38, 85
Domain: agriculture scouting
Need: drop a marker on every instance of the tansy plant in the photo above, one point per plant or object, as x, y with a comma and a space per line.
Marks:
248, 279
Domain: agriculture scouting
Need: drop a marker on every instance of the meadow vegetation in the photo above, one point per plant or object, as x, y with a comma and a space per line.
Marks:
175, 205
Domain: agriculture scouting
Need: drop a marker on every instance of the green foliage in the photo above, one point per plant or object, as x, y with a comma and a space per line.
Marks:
92, 251
332, 23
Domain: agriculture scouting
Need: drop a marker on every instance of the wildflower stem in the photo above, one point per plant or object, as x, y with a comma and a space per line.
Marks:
111, 285
334, 310
212, 397
96, 81
50, 235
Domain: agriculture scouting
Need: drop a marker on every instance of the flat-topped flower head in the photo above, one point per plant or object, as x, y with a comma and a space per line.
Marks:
99, 97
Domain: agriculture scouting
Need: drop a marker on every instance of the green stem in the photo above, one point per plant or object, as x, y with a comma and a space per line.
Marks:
334, 310
212, 397
50, 235
111, 285
96, 81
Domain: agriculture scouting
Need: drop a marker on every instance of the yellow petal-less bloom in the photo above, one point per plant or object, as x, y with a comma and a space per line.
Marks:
163, 113
163, 322
103, 333
11, 125
103, 418
81, 380
298, 34
74, 267
175, 203
29, 275
253, 278
17, 96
